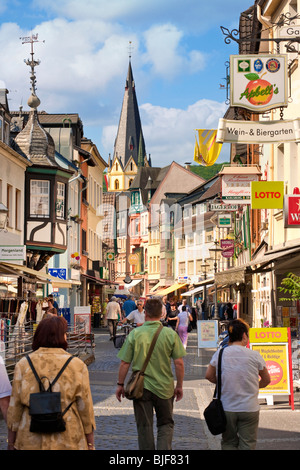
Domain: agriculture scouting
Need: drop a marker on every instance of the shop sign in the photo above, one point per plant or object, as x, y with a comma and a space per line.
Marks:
274, 345
258, 82
236, 188
258, 132
227, 247
12, 252
224, 207
224, 220
291, 31
267, 194
292, 211
133, 259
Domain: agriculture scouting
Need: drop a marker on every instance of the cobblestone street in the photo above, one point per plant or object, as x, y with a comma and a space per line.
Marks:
116, 430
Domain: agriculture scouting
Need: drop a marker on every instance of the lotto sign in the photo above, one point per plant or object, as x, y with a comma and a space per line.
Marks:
267, 194
274, 345
292, 211
258, 82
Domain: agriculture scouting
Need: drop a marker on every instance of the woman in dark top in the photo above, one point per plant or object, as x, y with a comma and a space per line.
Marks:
172, 317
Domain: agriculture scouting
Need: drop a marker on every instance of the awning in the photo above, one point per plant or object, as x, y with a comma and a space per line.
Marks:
231, 275
20, 270
155, 287
263, 260
133, 283
170, 289
199, 288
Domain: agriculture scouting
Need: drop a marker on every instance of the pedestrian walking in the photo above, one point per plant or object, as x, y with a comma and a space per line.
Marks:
183, 319
243, 373
113, 315
159, 392
137, 316
50, 309
129, 305
48, 357
172, 317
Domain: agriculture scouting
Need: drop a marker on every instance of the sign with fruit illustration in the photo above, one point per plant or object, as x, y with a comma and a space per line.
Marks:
258, 82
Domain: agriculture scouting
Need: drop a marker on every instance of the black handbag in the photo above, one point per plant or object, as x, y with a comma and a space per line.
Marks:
45, 406
214, 414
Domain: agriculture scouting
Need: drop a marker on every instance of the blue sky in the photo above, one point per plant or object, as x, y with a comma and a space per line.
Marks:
178, 61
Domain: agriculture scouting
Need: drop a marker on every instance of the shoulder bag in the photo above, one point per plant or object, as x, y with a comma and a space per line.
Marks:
135, 386
45, 406
214, 414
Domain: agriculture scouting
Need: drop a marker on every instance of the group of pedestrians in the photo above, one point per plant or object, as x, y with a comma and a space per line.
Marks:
243, 373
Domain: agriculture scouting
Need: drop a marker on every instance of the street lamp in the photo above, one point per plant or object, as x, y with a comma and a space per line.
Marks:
216, 250
3, 216
204, 267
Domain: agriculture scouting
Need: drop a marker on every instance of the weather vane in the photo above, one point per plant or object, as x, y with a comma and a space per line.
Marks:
130, 49
31, 62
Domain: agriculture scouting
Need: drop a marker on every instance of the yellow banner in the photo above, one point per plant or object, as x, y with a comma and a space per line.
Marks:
268, 335
267, 194
207, 151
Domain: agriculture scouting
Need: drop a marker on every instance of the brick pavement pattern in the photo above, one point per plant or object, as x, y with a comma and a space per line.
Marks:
116, 430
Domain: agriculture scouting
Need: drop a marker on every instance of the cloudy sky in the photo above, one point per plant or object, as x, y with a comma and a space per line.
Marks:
178, 60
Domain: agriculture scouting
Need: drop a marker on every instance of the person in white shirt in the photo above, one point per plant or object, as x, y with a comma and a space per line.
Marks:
137, 316
113, 315
243, 372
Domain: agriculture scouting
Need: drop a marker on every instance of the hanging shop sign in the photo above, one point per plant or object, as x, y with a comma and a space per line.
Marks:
227, 247
258, 132
291, 31
224, 207
236, 188
258, 82
110, 256
133, 259
224, 220
267, 194
292, 211
274, 345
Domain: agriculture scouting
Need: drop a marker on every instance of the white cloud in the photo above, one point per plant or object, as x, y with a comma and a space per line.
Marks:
170, 132
162, 43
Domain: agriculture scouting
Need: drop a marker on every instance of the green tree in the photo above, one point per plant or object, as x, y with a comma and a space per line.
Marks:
290, 285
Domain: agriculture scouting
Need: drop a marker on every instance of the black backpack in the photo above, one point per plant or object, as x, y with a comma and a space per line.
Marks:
45, 406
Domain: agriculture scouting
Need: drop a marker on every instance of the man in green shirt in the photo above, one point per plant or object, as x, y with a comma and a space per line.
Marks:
159, 391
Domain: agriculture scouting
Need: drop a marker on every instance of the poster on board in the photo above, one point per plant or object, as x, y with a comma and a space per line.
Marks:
207, 333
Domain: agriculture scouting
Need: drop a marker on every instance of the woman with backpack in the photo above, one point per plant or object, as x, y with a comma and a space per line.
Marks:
47, 359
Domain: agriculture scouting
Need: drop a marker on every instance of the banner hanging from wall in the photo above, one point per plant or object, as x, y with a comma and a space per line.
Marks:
258, 82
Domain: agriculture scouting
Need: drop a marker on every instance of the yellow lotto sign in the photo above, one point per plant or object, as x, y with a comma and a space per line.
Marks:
268, 335
267, 194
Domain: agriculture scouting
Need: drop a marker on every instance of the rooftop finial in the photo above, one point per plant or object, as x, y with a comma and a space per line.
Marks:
130, 48
33, 101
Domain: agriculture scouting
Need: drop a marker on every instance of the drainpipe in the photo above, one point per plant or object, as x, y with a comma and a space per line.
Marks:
265, 21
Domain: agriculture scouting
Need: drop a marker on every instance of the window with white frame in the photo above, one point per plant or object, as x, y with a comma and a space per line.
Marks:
39, 198
60, 201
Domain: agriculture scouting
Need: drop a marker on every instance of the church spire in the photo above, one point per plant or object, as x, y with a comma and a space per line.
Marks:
130, 134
